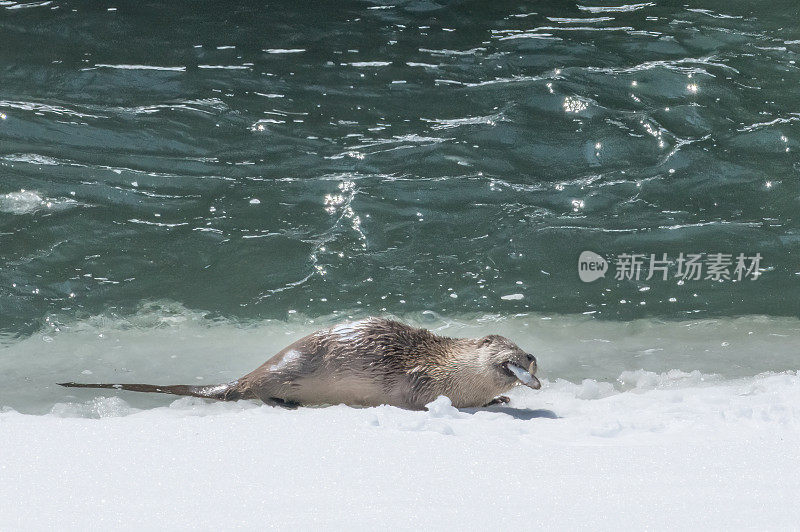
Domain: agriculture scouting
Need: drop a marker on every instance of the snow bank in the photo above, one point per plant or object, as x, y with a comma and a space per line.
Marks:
653, 450
166, 343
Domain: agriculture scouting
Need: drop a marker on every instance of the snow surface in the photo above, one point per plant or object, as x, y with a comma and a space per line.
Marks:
661, 451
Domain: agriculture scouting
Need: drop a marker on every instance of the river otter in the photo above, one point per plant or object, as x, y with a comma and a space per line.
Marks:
373, 362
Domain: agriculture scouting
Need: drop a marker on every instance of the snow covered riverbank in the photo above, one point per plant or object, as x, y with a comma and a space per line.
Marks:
658, 451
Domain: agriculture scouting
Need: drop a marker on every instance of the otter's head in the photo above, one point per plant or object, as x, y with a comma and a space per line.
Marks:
509, 363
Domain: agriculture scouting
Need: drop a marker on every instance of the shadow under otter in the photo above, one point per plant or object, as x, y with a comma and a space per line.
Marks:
373, 362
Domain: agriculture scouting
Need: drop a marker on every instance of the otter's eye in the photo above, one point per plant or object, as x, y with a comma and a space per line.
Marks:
486, 341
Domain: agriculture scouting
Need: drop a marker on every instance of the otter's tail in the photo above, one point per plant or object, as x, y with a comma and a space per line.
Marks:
221, 392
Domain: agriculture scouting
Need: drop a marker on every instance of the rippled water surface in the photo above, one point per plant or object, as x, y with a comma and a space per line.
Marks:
254, 160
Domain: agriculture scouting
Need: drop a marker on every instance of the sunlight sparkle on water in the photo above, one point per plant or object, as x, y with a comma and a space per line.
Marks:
573, 104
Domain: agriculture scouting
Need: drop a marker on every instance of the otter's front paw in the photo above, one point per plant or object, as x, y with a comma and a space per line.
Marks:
500, 400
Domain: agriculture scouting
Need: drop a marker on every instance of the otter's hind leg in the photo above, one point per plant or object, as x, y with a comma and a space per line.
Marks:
279, 381
277, 401
269, 391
